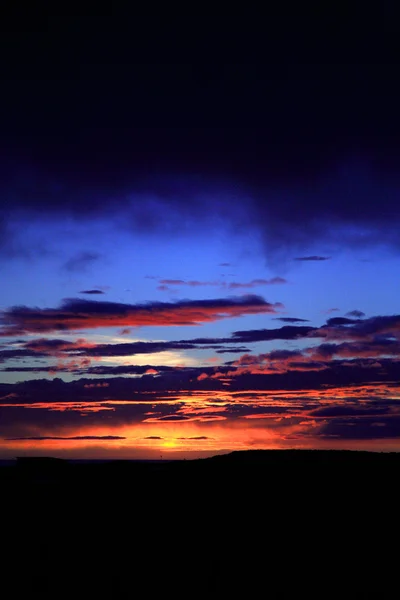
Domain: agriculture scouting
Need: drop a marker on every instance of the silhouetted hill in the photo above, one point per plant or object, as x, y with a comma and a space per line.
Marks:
280, 524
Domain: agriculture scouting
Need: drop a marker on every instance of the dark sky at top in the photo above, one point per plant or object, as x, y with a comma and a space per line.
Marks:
293, 93
95, 106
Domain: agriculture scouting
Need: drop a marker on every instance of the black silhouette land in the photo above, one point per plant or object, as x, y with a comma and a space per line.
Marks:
272, 524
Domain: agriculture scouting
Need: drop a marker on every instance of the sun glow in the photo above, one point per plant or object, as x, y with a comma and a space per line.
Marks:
171, 443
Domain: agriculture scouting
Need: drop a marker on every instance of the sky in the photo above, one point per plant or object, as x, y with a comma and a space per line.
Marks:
199, 250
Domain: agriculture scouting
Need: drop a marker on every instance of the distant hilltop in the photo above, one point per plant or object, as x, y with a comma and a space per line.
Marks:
42, 463
40, 460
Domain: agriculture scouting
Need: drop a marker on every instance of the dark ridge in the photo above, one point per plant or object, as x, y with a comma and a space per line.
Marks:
277, 524
250, 456
29, 461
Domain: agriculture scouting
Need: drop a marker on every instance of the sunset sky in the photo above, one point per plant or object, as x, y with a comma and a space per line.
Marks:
194, 258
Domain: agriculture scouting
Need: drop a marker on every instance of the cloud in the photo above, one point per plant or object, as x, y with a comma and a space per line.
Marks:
366, 428
356, 313
165, 284
54, 346
256, 282
202, 376
312, 258
352, 329
372, 348
91, 292
81, 348
96, 385
181, 282
81, 261
128, 370
18, 353
231, 350
57, 347
196, 437
75, 314
293, 194
334, 321
321, 357
350, 410
377, 336
73, 438
287, 332
309, 402
290, 320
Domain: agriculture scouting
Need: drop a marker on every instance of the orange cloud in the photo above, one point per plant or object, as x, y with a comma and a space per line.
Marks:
85, 314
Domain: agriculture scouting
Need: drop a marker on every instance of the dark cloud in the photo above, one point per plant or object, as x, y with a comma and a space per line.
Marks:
76, 437
232, 350
376, 347
132, 348
350, 410
287, 332
296, 149
48, 347
91, 292
312, 258
342, 327
174, 418
347, 372
82, 314
333, 321
41, 369
127, 370
283, 354
43, 408
153, 437
343, 337
197, 437
238, 410
356, 313
366, 428
43, 348
290, 320
53, 345
292, 374
19, 353
346, 391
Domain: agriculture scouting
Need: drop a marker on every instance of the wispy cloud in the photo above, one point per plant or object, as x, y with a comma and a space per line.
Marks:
81, 261
312, 258
166, 284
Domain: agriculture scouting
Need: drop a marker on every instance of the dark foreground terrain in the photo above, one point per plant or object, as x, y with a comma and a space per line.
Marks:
262, 524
